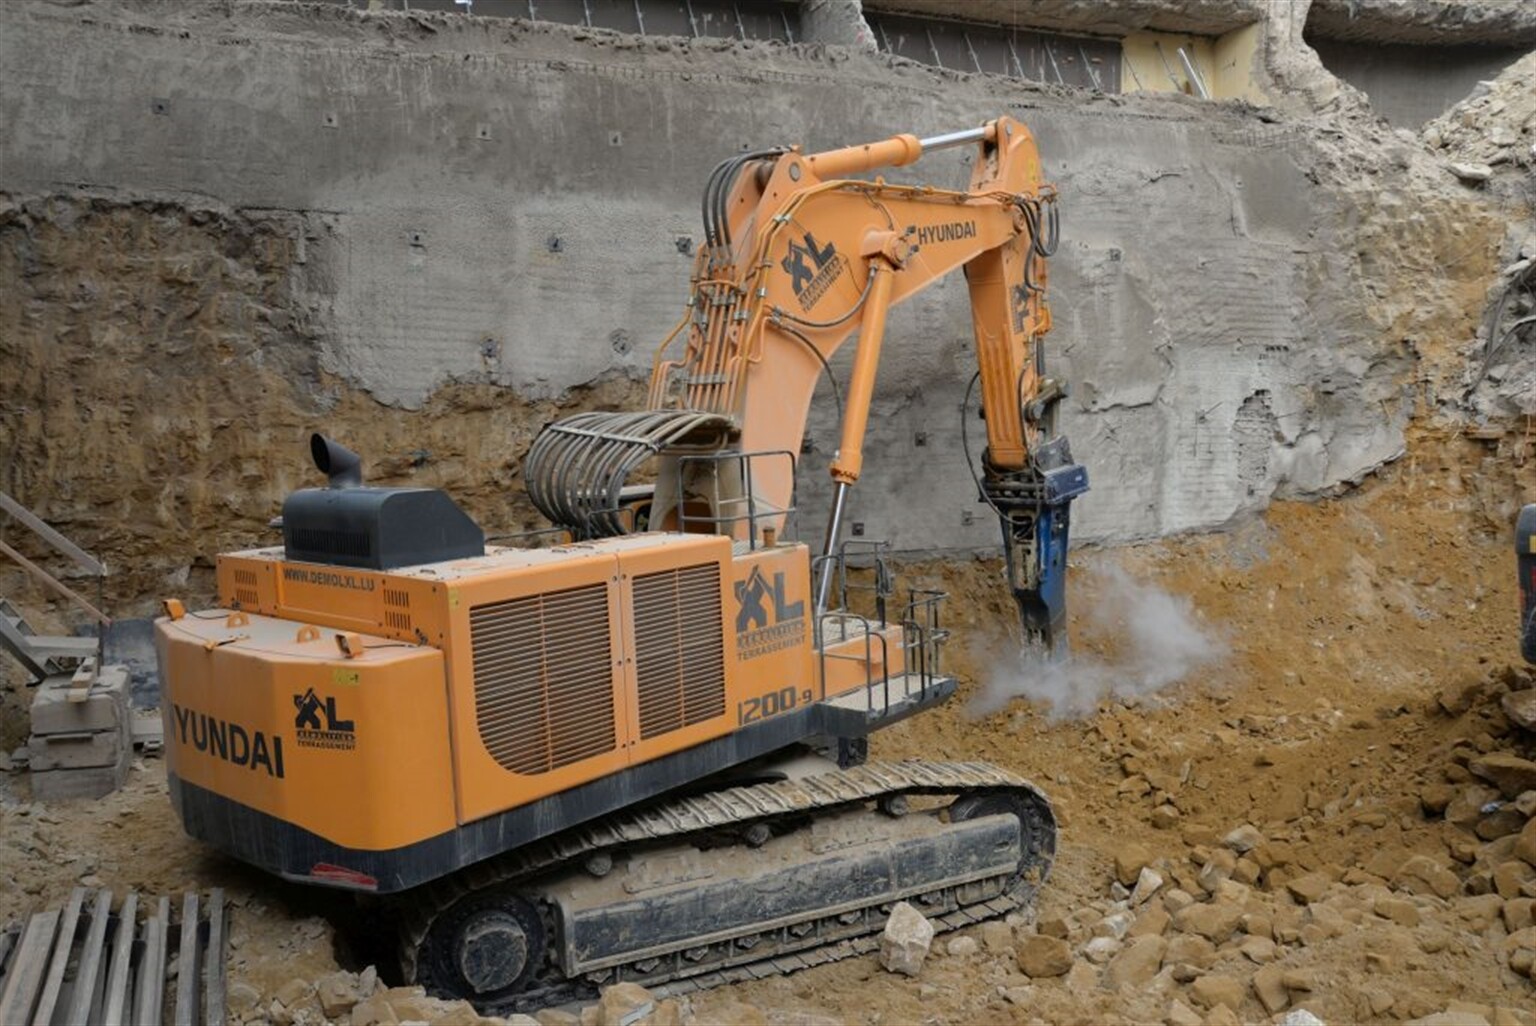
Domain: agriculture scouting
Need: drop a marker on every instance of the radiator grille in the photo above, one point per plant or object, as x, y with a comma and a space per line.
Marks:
679, 648
544, 678
325, 541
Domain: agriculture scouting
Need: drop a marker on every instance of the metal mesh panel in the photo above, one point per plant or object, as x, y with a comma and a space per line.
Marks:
544, 678
679, 648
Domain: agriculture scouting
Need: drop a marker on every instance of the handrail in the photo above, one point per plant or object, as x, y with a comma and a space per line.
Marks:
52, 582
52, 537
755, 509
62, 544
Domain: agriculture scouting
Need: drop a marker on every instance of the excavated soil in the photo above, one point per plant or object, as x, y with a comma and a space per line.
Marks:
1367, 642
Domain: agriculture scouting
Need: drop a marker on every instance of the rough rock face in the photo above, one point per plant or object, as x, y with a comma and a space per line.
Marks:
188, 332
1495, 126
1239, 312
1453, 22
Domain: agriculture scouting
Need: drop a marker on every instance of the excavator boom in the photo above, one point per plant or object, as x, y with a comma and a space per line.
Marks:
797, 260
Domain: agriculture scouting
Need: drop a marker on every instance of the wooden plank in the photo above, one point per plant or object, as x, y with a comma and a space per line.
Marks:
214, 1002
61, 948
7, 942
27, 968
116, 1000
90, 960
186, 964
150, 1007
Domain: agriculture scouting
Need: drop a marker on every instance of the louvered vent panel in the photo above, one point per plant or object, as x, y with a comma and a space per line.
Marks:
245, 589
544, 678
679, 648
398, 617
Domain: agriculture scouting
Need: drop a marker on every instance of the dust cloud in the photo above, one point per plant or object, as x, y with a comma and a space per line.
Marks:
1150, 639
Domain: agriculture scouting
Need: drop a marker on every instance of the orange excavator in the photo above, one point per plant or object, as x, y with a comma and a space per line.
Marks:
640, 753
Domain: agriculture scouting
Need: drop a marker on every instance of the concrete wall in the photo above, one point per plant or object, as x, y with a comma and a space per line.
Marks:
1409, 85
418, 169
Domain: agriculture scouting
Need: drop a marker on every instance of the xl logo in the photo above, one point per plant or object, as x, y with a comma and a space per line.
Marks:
752, 595
798, 263
1020, 305
334, 733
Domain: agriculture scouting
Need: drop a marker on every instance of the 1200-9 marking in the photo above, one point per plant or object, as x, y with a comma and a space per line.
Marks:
749, 710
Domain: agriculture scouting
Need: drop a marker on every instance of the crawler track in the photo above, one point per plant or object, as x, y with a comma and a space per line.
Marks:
753, 951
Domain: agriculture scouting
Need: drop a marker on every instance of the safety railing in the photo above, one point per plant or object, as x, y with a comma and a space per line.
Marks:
922, 636
730, 510
20, 514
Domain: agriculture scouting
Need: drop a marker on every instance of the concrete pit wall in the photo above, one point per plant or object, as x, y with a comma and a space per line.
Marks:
224, 227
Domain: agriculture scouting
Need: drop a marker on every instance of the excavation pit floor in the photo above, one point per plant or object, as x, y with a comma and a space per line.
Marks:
1359, 649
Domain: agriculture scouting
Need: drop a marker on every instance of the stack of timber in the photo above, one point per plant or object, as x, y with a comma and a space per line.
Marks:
146, 962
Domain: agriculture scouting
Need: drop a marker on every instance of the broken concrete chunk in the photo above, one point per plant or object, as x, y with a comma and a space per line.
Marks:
1472, 172
1148, 883
1101, 949
905, 941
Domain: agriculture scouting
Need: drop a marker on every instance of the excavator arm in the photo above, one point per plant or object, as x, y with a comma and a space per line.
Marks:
798, 258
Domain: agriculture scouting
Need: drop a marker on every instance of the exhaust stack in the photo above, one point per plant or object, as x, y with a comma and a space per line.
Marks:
342, 467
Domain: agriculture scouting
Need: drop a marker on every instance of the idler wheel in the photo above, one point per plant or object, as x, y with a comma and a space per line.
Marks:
486, 947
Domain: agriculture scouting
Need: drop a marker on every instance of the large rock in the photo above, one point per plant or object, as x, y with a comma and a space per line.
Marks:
1244, 839
1129, 862
1310, 888
1509, 773
1467, 807
1190, 949
1215, 921
1404, 913
1137, 963
338, 992
1423, 875
1520, 707
1044, 957
1148, 883
1210, 991
1525, 845
905, 941
1269, 987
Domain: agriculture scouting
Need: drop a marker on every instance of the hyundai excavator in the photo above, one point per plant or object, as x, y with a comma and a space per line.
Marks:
639, 753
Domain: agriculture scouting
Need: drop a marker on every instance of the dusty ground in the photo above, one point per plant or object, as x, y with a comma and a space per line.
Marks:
1368, 640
